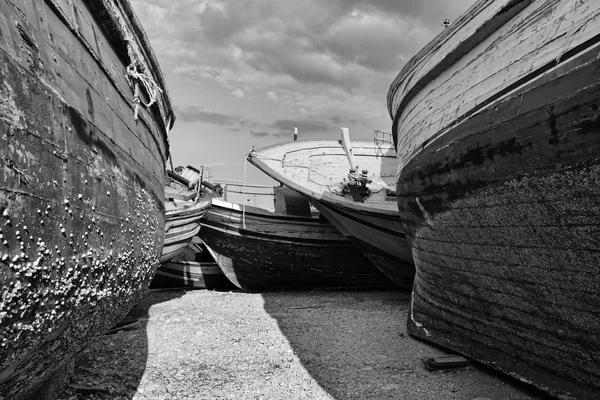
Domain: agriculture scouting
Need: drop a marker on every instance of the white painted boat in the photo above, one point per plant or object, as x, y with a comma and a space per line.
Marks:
497, 126
320, 171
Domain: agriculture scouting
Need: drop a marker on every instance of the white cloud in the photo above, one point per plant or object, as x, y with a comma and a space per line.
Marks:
239, 93
272, 95
330, 62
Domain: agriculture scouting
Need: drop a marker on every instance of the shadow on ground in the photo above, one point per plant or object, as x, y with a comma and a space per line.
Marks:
112, 366
355, 346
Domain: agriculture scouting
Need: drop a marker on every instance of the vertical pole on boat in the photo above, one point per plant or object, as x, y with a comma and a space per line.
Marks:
295, 132
348, 147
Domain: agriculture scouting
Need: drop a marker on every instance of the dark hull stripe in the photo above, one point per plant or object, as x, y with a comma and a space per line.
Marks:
362, 221
509, 88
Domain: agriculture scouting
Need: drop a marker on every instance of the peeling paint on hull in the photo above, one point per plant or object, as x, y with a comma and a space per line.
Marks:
278, 251
81, 185
502, 203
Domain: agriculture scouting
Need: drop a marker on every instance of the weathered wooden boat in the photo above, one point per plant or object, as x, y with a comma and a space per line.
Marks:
193, 268
185, 205
497, 125
320, 171
260, 250
84, 115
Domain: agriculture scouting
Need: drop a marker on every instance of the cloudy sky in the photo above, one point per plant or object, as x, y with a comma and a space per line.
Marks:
242, 73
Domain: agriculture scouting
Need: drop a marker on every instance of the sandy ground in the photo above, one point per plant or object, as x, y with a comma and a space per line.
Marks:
321, 344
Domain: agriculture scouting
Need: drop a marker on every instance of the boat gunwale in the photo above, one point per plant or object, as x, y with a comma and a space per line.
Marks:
230, 229
185, 210
180, 236
260, 212
520, 87
452, 56
237, 228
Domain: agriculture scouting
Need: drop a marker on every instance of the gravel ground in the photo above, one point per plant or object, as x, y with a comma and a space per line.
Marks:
321, 344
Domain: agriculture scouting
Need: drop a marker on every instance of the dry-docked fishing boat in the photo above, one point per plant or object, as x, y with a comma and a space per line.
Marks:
193, 268
84, 116
368, 217
260, 250
185, 205
497, 123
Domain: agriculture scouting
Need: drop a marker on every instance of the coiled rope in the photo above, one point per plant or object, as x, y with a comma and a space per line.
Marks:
134, 77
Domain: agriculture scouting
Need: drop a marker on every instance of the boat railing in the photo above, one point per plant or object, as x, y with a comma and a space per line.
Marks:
380, 136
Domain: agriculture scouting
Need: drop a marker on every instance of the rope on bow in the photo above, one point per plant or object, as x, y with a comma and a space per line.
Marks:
134, 78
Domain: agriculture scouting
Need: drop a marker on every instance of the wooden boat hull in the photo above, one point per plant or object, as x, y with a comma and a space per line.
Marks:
501, 209
190, 274
377, 237
311, 168
183, 214
177, 239
81, 181
274, 252
182, 224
